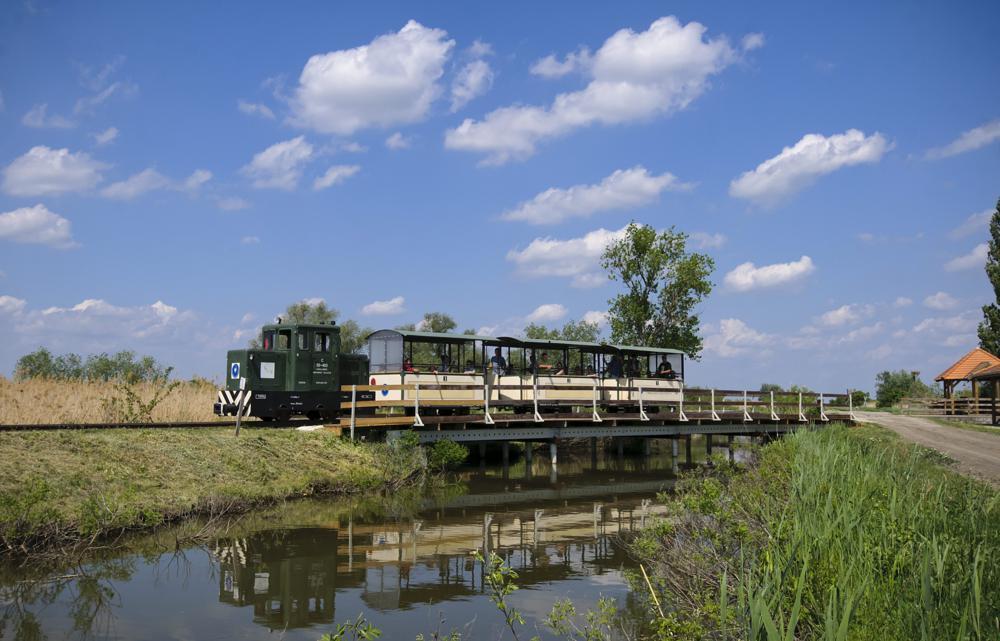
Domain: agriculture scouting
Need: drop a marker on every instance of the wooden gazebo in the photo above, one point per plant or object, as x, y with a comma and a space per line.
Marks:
967, 369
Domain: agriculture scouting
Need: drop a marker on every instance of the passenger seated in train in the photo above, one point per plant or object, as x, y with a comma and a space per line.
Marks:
408, 367
543, 364
445, 364
614, 367
470, 367
498, 363
632, 367
665, 370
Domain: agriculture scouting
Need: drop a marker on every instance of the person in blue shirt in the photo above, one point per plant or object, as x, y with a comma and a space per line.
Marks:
498, 363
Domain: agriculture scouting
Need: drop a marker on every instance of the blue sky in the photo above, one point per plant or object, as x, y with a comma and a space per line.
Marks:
174, 175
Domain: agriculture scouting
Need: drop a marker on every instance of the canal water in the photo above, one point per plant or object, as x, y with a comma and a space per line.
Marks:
406, 561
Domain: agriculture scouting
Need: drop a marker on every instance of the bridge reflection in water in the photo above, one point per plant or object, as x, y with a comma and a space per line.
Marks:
549, 533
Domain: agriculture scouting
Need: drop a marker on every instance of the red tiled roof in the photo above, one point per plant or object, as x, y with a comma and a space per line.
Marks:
974, 362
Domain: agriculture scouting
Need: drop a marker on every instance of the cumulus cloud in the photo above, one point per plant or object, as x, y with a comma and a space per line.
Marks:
975, 258
10, 306
941, 300
472, 80
385, 307
752, 41
255, 109
732, 337
546, 313
846, 315
194, 182
974, 224
38, 118
280, 165
551, 67
950, 324
624, 189
970, 140
704, 240
902, 301
575, 258
106, 137
799, 166
231, 203
597, 318
250, 240
335, 175
397, 141
96, 325
36, 225
633, 76
392, 80
747, 276
43, 171
136, 185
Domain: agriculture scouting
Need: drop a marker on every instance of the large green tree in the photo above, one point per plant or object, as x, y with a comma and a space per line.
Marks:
432, 322
663, 282
571, 331
352, 333
989, 329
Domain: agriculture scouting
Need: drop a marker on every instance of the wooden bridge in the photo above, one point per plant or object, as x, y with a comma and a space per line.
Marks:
552, 413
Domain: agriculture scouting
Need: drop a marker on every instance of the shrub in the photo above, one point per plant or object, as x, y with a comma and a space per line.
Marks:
890, 387
447, 454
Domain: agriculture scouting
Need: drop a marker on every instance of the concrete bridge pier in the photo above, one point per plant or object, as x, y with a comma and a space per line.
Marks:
482, 456
732, 448
647, 446
708, 444
528, 449
553, 460
620, 445
505, 449
593, 453
687, 450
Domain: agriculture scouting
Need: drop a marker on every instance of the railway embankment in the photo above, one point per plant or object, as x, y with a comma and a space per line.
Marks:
76, 487
828, 534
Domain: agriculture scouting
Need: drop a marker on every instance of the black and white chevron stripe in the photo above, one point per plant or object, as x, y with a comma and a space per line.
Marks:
239, 398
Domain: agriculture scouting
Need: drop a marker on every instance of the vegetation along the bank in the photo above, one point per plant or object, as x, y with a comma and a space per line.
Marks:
79, 486
831, 535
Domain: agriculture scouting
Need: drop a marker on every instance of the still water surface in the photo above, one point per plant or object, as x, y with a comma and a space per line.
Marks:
405, 562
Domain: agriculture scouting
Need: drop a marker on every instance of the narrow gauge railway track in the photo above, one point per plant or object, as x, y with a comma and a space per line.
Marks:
164, 425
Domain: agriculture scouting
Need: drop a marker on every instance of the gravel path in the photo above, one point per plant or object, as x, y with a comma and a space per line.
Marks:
977, 453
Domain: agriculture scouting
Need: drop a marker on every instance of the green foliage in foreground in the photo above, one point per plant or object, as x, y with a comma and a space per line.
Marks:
836, 534
890, 387
123, 366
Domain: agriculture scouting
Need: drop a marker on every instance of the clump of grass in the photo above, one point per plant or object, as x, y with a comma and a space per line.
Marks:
834, 534
81, 485
39, 401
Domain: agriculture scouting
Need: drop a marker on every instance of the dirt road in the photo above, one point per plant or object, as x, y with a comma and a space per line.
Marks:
977, 453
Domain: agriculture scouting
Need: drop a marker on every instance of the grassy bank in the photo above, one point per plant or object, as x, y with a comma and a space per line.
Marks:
38, 401
833, 534
78, 486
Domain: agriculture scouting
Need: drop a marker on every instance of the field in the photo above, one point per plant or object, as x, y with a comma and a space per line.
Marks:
68, 486
49, 401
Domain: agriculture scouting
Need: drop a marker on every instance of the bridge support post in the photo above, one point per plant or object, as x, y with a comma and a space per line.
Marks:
505, 449
674, 447
528, 449
732, 449
646, 447
593, 452
708, 444
553, 454
687, 447
620, 443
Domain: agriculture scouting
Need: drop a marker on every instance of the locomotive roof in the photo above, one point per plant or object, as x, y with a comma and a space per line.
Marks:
512, 341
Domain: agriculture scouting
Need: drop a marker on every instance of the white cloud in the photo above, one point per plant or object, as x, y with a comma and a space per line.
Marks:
231, 203
197, 178
971, 140
255, 109
136, 185
704, 240
397, 141
97, 324
598, 318
105, 137
861, 334
634, 76
797, 167
392, 80
353, 147
11, 306
471, 81
733, 337
546, 313
589, 280
846, 315
250, 240
974, 224
940, 300
975, 258
624, 189
39, 118
88, 104
36, 225
902, 301
747, 276
879, 353
280, 165
335, 175
961, 323
575, 258
385, 307
752, 41
551, 67
44, 171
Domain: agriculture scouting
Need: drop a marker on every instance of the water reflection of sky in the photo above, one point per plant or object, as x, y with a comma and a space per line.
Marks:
315, 563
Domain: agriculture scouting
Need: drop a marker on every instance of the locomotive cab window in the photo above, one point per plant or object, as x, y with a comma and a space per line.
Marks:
303, 344
284, 339
321, 342
268, 342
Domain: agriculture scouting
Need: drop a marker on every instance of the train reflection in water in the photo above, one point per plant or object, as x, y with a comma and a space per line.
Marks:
291, 576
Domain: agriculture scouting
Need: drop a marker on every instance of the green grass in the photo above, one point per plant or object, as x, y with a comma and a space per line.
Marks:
835, 534
81, 485
965, 425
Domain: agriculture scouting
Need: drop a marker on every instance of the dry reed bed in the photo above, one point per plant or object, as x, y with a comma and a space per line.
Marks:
36, 402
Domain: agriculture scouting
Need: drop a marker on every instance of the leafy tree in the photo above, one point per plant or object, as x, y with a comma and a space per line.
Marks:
37, 364
571, 331
434, 322
123, 366
989, 328
890, 387
352, 333
352, 337
663, 284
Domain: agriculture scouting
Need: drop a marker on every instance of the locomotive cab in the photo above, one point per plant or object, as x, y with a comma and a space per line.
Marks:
297, 370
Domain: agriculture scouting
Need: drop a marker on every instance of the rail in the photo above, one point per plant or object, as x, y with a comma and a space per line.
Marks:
426, 403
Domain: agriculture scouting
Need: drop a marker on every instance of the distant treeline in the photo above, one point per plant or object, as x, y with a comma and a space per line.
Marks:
123, 366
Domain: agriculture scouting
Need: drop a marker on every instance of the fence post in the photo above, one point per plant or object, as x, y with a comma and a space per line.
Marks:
534, 397
354, 401
850, 406
822, 409
487, 393
715, 415
642, 410
681, 416
746, 409
774, 416
595, 417
802, 416
417, 422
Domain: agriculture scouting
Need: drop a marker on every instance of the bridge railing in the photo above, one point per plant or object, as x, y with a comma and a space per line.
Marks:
596, 402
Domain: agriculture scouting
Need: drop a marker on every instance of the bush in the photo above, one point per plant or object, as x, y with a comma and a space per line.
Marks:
123, 366
447, 454
890, 387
